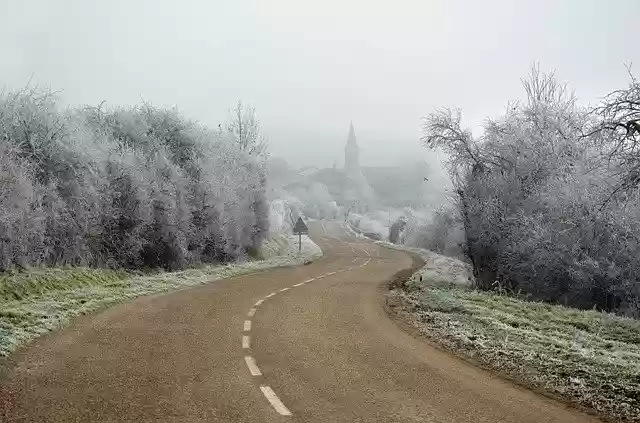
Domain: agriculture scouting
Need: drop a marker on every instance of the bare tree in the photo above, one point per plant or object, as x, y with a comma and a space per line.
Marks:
245, 128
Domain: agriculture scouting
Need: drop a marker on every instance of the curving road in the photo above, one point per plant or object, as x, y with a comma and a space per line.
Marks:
305, 344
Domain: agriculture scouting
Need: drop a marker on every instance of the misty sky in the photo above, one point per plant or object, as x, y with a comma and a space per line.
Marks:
309, 67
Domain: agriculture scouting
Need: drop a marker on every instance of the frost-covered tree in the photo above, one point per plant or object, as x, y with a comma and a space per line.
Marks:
617, 130
317, 201
133, 187
21, 217
395, 230
245, 130
530, 193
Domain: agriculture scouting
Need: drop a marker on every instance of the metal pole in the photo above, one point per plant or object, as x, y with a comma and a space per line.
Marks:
300, 242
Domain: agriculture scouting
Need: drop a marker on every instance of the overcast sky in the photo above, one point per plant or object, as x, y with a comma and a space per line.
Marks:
310, 67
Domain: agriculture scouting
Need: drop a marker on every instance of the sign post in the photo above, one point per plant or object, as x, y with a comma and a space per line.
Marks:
299, 229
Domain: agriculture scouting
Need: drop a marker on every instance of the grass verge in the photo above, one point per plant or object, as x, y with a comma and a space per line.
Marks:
37, 301
587, 358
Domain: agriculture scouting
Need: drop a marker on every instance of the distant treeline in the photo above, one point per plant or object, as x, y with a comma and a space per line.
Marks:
548, 195
135, 187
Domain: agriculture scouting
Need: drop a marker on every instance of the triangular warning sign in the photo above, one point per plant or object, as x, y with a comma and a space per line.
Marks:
300, 227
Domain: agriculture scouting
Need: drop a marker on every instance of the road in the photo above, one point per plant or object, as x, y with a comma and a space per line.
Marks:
305, 344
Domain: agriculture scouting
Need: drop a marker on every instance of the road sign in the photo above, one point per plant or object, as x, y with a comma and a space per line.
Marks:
300, 227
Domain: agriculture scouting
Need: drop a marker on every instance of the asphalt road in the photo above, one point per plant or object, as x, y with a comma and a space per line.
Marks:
298, 344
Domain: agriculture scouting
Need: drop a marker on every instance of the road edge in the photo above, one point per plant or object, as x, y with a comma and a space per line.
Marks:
245, 269
395, 309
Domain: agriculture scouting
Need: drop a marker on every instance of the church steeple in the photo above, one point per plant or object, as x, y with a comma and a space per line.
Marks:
351, 153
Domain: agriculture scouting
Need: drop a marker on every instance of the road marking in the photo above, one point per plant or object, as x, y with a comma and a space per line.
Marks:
275, 401
271, 396
253, 367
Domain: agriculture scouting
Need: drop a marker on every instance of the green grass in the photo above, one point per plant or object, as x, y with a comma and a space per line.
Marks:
38, 300
589, 358
17, 285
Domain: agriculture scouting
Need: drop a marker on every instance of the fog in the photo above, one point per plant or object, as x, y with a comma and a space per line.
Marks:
309, 68
244, 135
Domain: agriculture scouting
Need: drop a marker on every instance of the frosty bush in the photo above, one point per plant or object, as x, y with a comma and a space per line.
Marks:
317, 202
548, 197
133, 187
369, 226
396, 229
440, 233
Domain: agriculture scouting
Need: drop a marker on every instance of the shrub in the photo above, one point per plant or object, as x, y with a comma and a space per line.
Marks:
127, 187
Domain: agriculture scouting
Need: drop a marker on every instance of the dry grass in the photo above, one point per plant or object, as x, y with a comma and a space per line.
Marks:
588, 358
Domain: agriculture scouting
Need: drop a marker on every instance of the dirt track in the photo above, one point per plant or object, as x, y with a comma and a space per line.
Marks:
326, 350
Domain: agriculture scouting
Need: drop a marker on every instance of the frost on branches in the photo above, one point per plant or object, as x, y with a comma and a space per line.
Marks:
128, 187
548, 196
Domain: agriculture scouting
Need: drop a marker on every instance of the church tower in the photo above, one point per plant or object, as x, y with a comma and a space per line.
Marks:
351, 152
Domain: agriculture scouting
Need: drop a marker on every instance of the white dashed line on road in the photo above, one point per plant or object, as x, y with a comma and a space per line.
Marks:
271, 396
275, 401
253, 367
